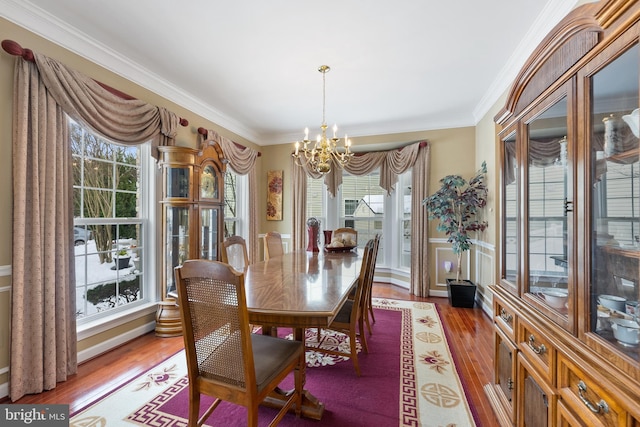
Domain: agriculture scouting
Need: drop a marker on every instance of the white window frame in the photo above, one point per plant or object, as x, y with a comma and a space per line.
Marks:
96, 323
392, 229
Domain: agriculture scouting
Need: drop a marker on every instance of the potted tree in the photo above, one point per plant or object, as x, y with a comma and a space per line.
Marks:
456, 205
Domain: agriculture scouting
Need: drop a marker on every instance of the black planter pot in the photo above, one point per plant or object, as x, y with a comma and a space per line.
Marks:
122, 262
461, 293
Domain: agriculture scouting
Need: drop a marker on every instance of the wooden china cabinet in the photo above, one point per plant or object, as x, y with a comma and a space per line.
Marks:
565, 321
192, 219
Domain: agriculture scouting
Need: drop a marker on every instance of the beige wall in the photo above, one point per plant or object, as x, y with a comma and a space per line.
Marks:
452, 152
487, 252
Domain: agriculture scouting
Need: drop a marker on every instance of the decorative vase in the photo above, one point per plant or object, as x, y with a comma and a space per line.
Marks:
313, 226
327, 236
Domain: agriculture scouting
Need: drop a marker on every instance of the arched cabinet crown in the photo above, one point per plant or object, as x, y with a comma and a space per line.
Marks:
568, 42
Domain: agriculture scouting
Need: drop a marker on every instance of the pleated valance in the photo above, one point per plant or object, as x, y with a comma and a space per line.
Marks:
127, 121
391, 163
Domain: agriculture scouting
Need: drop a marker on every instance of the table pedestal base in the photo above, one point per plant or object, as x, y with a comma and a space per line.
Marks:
311, 406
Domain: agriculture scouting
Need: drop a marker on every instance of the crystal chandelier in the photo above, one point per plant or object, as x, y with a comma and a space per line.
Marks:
320, 155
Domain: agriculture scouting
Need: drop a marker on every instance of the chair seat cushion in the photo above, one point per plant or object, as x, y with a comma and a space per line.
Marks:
271, 354
344, 315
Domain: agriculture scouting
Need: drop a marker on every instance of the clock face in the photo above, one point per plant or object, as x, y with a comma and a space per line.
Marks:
208, 183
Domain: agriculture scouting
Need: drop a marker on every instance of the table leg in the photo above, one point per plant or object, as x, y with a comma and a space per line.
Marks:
311, 406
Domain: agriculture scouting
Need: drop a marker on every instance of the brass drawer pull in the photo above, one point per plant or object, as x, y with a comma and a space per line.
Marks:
596, 409
507, 317
541, 349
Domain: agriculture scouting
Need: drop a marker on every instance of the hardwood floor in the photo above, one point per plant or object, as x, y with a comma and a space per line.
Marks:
470, 336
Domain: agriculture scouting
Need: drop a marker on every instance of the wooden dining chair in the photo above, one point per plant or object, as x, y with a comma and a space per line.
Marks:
349, 319
272, 245
224, 359
368, 298
234, 252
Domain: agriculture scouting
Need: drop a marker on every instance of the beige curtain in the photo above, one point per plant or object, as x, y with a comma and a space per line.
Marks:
43, 328
420, 224
243, 161
391, 163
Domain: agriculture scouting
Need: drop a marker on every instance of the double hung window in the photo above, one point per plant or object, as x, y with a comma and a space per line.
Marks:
111, 190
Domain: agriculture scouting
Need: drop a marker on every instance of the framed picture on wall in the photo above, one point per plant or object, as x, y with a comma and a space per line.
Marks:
274, 195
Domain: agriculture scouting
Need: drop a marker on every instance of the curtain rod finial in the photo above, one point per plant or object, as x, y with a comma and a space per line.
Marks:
14, 48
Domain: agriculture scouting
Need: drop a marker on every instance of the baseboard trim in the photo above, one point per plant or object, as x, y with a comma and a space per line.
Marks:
97, 350
114, 342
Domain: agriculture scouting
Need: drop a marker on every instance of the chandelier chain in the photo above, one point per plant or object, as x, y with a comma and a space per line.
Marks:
324, 92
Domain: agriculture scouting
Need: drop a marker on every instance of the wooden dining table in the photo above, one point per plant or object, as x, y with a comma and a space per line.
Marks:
300, 290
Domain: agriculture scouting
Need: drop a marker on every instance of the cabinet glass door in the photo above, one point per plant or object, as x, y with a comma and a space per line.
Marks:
510, 221
615, 208
178, 182
209, 222
549, 209
176, 249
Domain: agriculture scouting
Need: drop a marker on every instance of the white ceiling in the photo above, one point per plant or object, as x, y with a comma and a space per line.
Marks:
251, 65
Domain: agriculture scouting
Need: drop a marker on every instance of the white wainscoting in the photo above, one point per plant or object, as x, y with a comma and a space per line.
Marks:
486, 272
5, 270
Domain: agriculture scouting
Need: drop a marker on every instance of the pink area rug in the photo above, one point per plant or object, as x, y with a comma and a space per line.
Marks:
408, 379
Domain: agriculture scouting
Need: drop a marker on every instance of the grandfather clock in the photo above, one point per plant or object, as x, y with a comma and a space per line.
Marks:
192, 220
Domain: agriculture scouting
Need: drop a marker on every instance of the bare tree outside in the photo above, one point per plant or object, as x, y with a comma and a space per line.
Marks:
107, 190
230, 203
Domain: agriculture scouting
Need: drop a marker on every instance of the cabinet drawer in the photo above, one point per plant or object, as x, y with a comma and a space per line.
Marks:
589, 396
539, 350
504, 317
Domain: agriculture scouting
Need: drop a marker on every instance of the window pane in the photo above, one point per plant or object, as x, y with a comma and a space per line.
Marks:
127, 177
368, 197
108, 232
315, 199
405, 223
97, 174
231, 205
